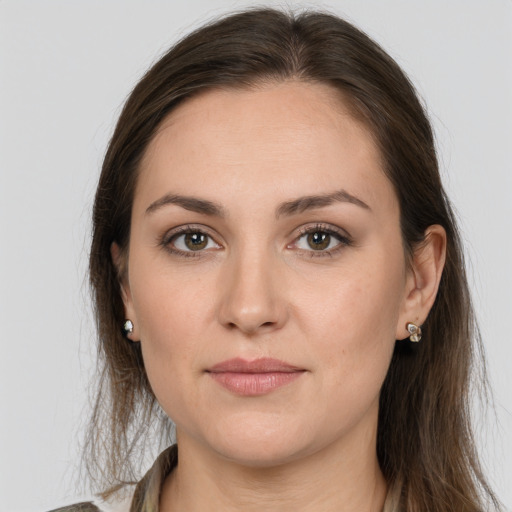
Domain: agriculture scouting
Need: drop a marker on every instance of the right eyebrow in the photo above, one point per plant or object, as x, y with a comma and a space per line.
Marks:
192, 204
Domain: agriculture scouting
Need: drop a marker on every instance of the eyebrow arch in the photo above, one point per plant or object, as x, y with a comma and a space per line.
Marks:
302, 204
193, 204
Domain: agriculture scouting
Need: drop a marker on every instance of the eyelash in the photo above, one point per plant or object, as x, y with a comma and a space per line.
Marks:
168, 238
343, 239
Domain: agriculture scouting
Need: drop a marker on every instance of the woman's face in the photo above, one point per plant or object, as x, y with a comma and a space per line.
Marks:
266, 273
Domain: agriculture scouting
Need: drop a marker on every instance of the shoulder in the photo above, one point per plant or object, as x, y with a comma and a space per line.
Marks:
86, 506
145, 496
118, 505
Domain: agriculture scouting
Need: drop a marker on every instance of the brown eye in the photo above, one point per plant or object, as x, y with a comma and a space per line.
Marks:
319, 240
196, 241
191, 241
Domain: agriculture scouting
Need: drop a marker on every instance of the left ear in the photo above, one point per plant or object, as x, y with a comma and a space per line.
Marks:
423, 278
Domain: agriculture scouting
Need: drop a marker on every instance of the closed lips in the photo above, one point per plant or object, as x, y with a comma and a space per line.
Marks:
254, 378
263, 365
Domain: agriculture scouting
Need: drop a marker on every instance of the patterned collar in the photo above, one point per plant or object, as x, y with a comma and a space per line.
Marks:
147, 493
146, 496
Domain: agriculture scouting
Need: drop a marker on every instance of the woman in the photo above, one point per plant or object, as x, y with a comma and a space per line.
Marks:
276, 267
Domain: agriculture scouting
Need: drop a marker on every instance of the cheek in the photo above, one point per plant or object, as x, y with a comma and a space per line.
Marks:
173, 312
363, 297
355, 319
168, 301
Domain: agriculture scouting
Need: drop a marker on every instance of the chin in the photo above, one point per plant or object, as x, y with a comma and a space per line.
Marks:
262, 455
261, 444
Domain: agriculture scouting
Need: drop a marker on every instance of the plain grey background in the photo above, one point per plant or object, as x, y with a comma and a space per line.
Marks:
65, 69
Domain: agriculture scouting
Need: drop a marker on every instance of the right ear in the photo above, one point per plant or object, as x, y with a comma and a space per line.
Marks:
119, 259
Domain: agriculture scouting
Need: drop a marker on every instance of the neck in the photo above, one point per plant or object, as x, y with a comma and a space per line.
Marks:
335, 478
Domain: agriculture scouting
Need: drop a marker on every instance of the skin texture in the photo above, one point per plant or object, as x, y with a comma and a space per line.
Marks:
257, 289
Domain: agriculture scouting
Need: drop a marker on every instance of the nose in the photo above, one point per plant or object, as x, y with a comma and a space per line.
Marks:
252, 300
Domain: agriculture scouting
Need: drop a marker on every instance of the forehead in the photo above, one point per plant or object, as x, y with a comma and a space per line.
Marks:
292, 137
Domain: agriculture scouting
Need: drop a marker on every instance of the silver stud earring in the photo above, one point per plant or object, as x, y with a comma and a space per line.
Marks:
127, 327
414, 331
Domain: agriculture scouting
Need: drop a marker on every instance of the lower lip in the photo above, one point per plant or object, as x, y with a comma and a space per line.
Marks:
254, 384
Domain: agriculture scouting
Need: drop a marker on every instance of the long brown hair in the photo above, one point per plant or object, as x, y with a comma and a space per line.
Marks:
425, 444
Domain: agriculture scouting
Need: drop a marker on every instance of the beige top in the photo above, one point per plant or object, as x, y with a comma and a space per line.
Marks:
146, 495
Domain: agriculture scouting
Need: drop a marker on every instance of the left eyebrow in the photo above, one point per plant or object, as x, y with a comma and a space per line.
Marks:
305, 203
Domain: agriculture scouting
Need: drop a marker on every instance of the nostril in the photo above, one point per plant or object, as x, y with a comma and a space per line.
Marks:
234, 325
251, 326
